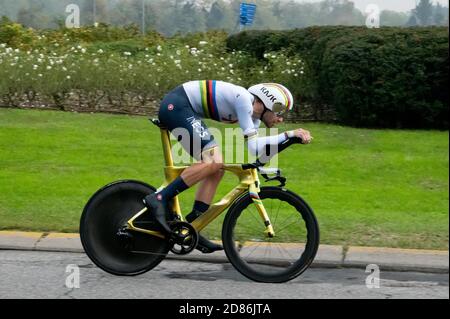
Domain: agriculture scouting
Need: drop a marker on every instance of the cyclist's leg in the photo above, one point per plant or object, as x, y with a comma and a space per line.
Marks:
207, 187
177, 115
205, 193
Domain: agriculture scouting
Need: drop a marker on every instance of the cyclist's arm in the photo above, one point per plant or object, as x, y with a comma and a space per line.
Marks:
256, 144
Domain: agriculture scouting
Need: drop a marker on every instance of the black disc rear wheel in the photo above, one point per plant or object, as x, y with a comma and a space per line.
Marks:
105, 239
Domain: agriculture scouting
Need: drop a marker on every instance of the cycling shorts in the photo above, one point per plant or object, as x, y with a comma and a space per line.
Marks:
178, 116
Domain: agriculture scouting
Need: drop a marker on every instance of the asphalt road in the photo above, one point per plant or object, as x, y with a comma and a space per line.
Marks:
30, 274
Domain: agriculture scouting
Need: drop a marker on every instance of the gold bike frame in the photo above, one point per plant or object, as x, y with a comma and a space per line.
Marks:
248, 181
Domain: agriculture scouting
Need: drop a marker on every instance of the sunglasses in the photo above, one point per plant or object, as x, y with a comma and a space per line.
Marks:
279, 109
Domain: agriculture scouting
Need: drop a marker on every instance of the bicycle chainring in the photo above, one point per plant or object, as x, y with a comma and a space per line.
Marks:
184, 238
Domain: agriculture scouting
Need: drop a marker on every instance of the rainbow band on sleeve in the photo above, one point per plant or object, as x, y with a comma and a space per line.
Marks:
208, 97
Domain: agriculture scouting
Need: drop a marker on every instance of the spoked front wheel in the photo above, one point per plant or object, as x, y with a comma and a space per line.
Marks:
260, 257
105, 238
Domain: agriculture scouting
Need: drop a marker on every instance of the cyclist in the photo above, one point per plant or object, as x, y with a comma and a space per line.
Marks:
185, 107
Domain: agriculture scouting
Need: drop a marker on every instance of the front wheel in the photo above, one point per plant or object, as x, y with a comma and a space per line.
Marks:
265, 259
105, 239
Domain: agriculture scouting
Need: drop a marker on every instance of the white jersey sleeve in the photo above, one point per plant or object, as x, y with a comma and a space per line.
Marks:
249, 126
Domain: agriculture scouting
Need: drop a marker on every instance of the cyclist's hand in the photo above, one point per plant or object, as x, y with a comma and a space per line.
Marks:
304, 135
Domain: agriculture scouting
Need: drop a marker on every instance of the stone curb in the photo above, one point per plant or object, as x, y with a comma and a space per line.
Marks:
328, 256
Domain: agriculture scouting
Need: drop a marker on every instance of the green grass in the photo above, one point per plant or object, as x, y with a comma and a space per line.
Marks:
367, 187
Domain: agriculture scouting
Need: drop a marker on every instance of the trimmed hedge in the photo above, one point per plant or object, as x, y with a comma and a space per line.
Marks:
387, 77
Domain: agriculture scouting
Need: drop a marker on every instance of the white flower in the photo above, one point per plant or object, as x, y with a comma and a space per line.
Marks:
3, 45
127, 53
39, 60
68, 77
203, 43
35, 67
177, 61
40, 75
49, 67
64, 68
230, 65
199, 70
159, 48
261, 72
178, 52
100, 51
16, 50
288, 63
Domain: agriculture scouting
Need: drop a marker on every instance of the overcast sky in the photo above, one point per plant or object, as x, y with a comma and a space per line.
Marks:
396, 5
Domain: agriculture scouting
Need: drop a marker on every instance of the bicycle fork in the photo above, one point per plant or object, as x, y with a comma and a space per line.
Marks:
253, 191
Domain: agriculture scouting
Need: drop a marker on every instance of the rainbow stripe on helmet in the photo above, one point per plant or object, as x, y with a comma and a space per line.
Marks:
287, 96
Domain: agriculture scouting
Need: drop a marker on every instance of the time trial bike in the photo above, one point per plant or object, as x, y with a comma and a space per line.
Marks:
269, 234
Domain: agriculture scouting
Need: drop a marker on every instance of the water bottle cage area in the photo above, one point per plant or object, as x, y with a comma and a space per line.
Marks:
265, 172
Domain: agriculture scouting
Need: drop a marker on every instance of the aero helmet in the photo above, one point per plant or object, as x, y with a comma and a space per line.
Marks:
274, 96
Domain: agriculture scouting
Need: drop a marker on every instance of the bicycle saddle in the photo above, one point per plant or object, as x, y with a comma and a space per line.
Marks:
157, 123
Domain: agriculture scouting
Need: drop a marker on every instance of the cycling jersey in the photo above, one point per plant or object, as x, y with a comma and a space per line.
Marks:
219, 101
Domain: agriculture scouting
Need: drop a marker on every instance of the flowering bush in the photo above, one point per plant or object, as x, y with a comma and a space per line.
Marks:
127, 75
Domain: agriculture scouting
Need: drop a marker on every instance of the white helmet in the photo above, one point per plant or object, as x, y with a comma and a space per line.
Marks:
274, 96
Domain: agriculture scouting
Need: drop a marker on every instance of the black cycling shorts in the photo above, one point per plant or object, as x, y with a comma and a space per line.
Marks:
177, 115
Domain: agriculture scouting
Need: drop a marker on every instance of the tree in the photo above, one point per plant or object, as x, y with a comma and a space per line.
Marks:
412, 21
215, 16
33, 15
424, 12
87, 11
439, 14
393, 18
